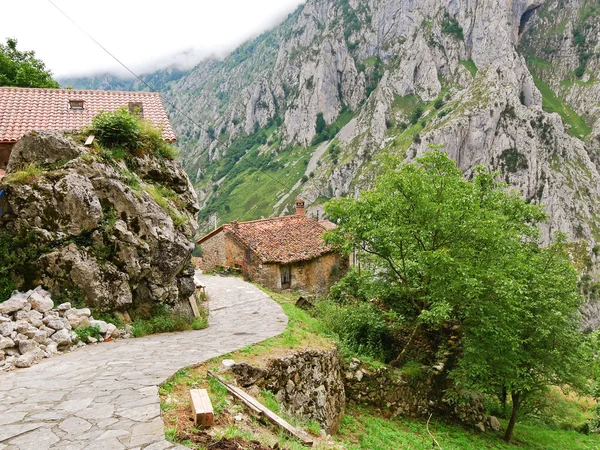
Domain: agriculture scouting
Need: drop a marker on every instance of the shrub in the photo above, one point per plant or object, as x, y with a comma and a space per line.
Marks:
24, 176
164, 322
438, 103
17, 251
118, 130
360, 325
84, 333
451, 26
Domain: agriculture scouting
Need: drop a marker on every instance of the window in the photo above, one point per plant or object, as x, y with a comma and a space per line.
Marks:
76, 104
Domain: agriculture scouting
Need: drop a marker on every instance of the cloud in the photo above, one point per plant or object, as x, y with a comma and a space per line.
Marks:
144, 35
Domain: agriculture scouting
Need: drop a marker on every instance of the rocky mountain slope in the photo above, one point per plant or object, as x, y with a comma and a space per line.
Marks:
309, 107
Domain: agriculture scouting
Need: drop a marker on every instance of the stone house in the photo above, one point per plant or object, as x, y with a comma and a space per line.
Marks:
279, 253
23, 110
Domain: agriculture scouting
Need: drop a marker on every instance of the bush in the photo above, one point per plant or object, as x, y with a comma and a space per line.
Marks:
17, 251
361, 326
164, 322
84, 333
451, 26
118, 130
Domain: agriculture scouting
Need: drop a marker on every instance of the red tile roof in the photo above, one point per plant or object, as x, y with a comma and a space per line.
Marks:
28, 109
281, 239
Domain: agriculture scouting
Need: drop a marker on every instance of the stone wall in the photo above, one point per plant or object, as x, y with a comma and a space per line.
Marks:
308, 384
319, 274
213, 252
416, 393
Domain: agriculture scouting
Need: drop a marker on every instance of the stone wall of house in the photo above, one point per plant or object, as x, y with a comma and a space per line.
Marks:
308, 384
214, 252
319, 274
266, 275
5, 150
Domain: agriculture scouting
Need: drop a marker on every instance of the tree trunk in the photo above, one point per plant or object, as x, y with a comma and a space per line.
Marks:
516, 403
503, 397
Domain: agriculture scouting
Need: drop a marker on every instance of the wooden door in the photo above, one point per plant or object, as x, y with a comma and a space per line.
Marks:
286, 277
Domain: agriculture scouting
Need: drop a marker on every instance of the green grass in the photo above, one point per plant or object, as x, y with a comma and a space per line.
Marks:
554, 104
470, 66
366, 429
24, 176
166, 323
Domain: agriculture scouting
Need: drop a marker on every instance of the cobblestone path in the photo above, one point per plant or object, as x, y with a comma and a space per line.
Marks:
106, 396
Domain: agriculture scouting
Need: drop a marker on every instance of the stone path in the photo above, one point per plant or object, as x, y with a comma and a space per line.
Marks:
106, 396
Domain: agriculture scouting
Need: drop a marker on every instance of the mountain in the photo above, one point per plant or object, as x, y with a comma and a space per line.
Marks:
308, 108
160, 80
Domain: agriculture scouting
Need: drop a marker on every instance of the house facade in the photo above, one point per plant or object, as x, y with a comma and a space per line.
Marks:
23, 110
278, 253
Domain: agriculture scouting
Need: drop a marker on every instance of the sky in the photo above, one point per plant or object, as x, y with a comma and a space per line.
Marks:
144, 34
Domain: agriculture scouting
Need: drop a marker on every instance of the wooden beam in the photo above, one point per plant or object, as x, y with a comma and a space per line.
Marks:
258, 408
202, 409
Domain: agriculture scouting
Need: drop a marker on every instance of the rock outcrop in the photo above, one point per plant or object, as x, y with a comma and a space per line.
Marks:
31, 329
116, 231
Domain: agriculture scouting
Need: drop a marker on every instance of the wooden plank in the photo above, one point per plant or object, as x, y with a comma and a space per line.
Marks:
89, 141
257, 407
202, 409
194, 305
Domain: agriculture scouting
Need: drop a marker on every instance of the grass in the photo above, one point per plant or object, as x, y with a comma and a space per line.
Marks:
554, 104
363, 428
470, 66
24, 176
166, 323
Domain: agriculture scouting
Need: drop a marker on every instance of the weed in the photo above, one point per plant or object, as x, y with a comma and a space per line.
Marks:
24, 176
84, 333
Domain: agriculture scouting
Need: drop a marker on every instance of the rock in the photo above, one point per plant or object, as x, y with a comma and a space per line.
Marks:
26, 346
111, 331
247, 375
40, 302
4, 319
7, 328
92, 340
55, 324
227, 364
48, 147
480, 426
41, 337
63, 307
62, 338
78, 318
13, 304
51, 349
494, 424
30, 358
101, 325
6, 342
35, 318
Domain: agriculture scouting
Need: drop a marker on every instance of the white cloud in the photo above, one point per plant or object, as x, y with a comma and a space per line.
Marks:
141, 33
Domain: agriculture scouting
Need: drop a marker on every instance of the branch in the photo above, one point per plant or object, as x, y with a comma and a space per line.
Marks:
431, 435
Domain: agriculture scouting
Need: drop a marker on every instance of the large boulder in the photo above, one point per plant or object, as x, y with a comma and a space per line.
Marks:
119, 234
48, 147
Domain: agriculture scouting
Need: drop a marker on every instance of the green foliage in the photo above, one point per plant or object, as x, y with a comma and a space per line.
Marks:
552, 103
120, 130
327, 133
321, 124
164, 322
360, 326
24, 176
512, 160
452, 250
18, 253
451, 26
84, 333
470, 66
23, 69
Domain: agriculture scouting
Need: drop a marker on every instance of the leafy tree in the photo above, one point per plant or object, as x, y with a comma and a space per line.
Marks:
443, 249
23, 69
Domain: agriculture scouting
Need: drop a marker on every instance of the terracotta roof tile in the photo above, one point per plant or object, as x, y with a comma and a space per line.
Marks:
282, 239
29, 109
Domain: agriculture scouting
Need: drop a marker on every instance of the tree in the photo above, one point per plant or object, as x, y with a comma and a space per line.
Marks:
444, 249
23, 69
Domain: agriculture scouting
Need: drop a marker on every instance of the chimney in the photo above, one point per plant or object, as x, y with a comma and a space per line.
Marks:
300, 211
235, 224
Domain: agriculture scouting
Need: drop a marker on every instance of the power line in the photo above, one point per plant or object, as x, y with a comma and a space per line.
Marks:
152, 89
